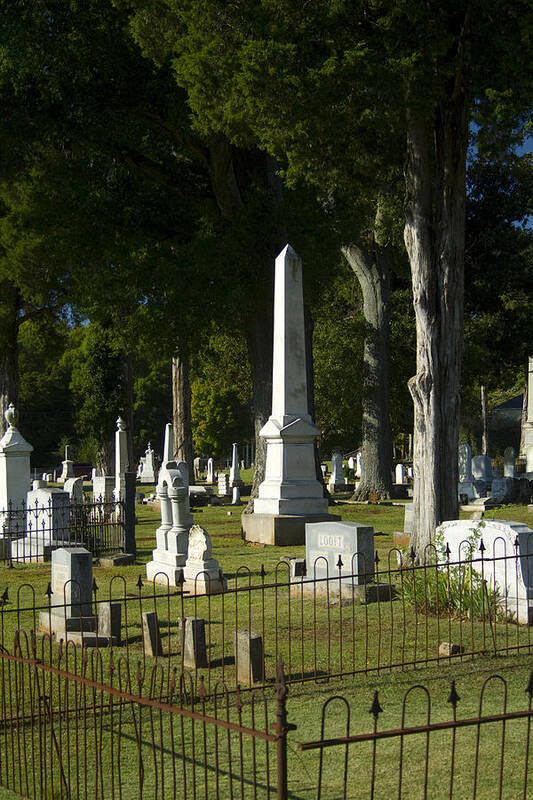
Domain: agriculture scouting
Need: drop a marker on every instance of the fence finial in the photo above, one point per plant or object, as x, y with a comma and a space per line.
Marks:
375, 709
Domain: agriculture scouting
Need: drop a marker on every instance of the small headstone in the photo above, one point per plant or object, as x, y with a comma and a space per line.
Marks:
450, 649
202, 572
103, 489
482, 468
223, 484
193, 642
110, 621
465, 463
353, 543
504, 489
148, 474
74, 489
336, 480
351, 463
249, 659
359, 464
509, 461
236, 499
151, 635
408, 518
399, 473
210, 471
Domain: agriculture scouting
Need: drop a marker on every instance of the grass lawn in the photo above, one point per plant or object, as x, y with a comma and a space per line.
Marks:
308, 635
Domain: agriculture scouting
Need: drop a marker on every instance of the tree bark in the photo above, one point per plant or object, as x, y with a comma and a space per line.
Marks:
484, 423
181, 412
434, 238
9, 324
128, 408
371, 267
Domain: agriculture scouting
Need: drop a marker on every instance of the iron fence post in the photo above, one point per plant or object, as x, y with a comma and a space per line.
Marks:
282, 727
129, 513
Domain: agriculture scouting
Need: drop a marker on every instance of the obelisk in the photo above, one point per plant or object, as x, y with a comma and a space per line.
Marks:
290, 495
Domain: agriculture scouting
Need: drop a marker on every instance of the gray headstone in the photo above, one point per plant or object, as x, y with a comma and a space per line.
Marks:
353, 542
151, 636
110, 621
249, 660
465, 463
408, 518
482, 468
509, 460
72, 580
193, 642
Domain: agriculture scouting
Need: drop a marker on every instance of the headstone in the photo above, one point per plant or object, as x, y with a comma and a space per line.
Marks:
249, 658
47, 524
504, 490
236, 499
121, 459
151, 635
235, 472
68, 467
290, 494
103, 486
223, 484
482, 468
326, 542
93, 474
210, 471
410, 473
351, 463
110, 621
14, 475
74, 488
399, 473
172, 535
465, 463
336, 479
408, 518
202, 572
71, 584
148, 474
509, 461
49, 477
359, 464
513, 575
193, 646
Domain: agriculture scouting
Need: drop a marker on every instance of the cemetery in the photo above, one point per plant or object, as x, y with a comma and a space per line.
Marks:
266, 401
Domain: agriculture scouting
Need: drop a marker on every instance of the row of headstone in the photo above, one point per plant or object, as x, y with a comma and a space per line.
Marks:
478, 480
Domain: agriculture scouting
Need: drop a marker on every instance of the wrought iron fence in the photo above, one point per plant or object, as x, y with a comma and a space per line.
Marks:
382, 618
427, 754
75, 726
31, 532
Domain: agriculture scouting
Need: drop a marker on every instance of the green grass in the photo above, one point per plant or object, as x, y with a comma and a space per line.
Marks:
399, 631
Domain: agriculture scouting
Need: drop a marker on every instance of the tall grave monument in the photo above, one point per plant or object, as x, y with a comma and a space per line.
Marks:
527, 442
290, 495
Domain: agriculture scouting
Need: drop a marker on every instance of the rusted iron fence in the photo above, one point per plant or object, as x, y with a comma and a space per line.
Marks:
74, 726
389, 615
426, 755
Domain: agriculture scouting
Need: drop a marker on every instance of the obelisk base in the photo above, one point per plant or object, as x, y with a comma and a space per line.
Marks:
282, 530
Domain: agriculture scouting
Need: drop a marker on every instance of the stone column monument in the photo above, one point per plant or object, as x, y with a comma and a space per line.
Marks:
290, 495
68, 467
121, 458
14, 474
235, 471
527, 441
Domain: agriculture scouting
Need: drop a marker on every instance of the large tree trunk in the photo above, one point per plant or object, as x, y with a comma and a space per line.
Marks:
181, 413
233, 171
434, 237
9, 323
258, 334
371, 268
128, 408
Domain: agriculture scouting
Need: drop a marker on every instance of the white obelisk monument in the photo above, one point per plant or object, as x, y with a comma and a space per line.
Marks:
290, 495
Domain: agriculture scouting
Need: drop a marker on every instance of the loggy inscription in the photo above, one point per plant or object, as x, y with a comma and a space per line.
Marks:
330, 540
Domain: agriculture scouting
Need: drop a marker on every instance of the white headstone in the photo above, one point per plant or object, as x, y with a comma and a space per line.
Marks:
47, 524
359, 462
14, 472
74, 488
202, 572
336, 478
465, 463
351, 463
236, 498
235, 473
67, 467
513, 576
399, 473
290, 485
148, 475
509, 460
210, 471
223, 484
103, 486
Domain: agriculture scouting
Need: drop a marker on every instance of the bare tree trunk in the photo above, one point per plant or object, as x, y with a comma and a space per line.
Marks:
484, 423
9, 377
372, 271
181, 413
259, 340
128, 407
434, 237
